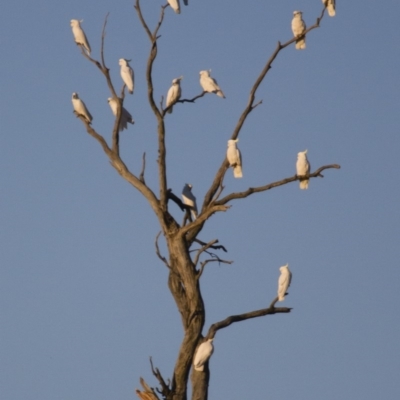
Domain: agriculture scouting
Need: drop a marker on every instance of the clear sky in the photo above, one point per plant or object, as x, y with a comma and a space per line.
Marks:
84, 299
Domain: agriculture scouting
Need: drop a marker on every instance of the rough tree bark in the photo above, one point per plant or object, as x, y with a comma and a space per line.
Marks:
185, 267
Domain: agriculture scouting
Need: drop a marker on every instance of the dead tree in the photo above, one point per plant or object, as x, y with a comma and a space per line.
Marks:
185, 264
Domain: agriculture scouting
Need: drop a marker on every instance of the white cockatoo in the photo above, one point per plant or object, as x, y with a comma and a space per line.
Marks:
80, 108
330, 6
125, 115
209, 84
127, 74
79, 35
175, 5
189, 199
203, 354
284, 281
174, 93
298, 28
303, 168
234, 158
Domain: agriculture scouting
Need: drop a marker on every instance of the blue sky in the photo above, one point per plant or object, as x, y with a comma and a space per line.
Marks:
84, 299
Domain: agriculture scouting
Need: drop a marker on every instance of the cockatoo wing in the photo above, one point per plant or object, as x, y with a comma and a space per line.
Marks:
217, 89
330, 6
234, 158
203, 354
125, 115
284, 282
237, 170
173, 95
175, 5
190, 200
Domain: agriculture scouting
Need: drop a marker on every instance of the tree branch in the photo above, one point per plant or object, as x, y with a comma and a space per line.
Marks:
250, 107
203, 217
162, 169
243, 317
177, 200
248, 192
203, 249
218, 247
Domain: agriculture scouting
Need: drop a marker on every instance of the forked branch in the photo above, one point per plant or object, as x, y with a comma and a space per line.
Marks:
215, 259
165, 390
250, 107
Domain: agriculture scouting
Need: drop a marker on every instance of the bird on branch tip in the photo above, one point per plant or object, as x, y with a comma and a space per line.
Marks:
79, 35
284, 281
209, 84
174, 93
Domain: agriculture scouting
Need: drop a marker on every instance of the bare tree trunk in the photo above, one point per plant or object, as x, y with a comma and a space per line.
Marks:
200, 381
184, 285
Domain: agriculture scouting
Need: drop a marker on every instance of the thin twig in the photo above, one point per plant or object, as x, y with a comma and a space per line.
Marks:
162, 168
192, 100
165, 390
103, 35
163, 259
205, 262
141, 176
217, 247
202, 249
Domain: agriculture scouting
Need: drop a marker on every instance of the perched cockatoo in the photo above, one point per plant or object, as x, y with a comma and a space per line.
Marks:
203, 354
284, 281
189, 199
302, 168
127, 74
209, 84
175, 5
234, 158
80, 108
298, 28
174, 93
125, 115
330, 6
79, 35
